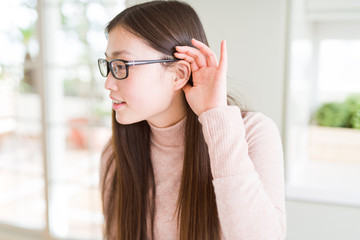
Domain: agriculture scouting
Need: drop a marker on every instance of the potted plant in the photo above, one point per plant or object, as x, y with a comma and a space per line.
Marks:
334, 133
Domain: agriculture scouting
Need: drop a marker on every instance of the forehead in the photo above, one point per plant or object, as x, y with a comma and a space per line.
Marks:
122, 43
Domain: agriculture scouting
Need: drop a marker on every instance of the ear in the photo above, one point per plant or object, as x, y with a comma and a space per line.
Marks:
183, 73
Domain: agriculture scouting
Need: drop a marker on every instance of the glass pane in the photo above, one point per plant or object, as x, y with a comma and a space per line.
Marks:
21, 177
339, 70
75, 206
78, 113
77, 211
323, 161
22, 201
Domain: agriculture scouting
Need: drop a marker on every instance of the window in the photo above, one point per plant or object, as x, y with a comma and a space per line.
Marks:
323, 162
54, 115
21, 157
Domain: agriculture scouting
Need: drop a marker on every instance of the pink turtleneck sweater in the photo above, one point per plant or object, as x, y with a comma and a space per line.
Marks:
246, 158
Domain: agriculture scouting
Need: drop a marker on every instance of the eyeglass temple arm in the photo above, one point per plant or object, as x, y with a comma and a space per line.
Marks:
139, 62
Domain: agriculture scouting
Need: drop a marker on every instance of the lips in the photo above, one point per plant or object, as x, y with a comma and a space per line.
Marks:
117, 106
117, 103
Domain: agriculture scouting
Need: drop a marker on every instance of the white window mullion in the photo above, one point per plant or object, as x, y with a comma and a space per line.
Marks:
41, 73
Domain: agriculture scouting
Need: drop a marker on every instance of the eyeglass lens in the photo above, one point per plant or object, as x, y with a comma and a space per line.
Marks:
103, 67
119, 69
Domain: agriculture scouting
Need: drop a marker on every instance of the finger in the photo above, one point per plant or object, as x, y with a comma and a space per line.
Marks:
193, 64
223, 57
194, 53
204, 49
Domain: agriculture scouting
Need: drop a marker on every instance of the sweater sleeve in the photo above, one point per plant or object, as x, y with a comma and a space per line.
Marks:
246, 158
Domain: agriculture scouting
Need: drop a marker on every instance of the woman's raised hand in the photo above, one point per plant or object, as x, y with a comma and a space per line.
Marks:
209, 77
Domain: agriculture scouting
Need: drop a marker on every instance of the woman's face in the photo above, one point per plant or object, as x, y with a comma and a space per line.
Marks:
148, 92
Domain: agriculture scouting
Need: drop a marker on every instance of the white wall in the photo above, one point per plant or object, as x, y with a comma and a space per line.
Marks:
318, 221
255, 33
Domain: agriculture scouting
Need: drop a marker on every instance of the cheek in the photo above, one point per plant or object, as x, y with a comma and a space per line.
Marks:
154, 95
149, 88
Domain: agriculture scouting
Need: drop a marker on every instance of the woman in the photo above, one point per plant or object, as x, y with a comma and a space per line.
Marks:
181, 163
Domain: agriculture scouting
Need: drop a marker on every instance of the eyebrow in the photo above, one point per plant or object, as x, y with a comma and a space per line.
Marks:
117, 53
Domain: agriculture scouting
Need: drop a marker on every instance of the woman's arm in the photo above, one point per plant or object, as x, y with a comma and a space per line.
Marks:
246, 156
247, 165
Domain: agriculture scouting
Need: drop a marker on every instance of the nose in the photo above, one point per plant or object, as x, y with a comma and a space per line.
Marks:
111, 83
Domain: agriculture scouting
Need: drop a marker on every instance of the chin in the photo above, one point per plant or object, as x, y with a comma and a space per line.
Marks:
127, 121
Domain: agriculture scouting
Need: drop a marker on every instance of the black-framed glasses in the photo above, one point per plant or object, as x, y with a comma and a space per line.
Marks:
119, 68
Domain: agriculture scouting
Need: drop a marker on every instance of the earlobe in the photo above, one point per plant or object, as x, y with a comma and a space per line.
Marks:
183, 72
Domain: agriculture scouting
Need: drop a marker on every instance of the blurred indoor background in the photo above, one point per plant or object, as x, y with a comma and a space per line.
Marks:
297, 61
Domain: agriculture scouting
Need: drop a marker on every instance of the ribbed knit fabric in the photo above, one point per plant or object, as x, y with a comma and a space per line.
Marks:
246, 158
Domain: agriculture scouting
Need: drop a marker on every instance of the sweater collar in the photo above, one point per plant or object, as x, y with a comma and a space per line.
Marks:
172, 136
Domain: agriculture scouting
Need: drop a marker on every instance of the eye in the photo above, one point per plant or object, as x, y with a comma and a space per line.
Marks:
119, 66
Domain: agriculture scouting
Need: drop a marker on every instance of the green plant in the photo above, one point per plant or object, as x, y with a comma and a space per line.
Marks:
333, 114
27, 34
355, 119
353, 104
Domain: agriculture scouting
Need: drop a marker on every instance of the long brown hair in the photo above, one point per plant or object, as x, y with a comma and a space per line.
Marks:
163, 25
